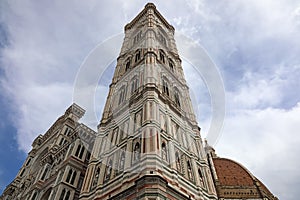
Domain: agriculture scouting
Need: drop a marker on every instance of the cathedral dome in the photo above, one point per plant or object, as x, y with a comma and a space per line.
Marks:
232, 180
231, 173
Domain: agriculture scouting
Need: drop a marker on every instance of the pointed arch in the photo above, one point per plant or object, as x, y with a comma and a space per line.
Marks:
127, 64
177, 96
171, 64
122, 94
137, 55
165, 84
162, 56
108, 170
136, 152
164, 153
96, 176
134, 84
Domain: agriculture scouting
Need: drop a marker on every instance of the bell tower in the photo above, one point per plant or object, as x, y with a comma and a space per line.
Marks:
148, 144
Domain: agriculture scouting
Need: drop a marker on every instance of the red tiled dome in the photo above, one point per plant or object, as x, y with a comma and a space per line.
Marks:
234, 180
231, 173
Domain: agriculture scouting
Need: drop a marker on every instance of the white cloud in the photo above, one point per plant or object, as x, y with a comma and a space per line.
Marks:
267, 142
255, 44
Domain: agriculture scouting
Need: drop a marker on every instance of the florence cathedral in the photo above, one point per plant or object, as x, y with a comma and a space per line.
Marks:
148, 143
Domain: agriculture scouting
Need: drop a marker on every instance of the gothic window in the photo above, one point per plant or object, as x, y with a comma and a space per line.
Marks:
65, 195
22, 173
34, 196
123, 131
138, 120
62, 195
44, 173
200, 173
122, 162
164, 153
161, 56
136, 152
178, 165
96, 177
137, 37
88, 156
108, 170
175, 131
162, 39
201, 177
28, 161
79, 151
122, 95
127, 65
134, 85
163, 124
165, 87
171, 65
61, 141
67, 131
189, 169
137, 56
114, 135
176, 97
71, 176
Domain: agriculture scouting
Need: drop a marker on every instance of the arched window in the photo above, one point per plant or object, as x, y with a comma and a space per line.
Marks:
177, 98
171, 65
137, 37
164, 153
69, 175
62, 141
127, 65
22, 173
178, 165
162, 39
79, 151
165, 87
134, 84
67, 131
65, 194
137, 56
136, 152
114, 136
96, 177
200, 173
108, 170
73, 177
44, 173
28, 161
62, 195
162, 56
201, 177
34, 195
138, 120
122, 95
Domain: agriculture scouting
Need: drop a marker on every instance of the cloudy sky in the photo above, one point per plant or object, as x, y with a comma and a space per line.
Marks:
255, 45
